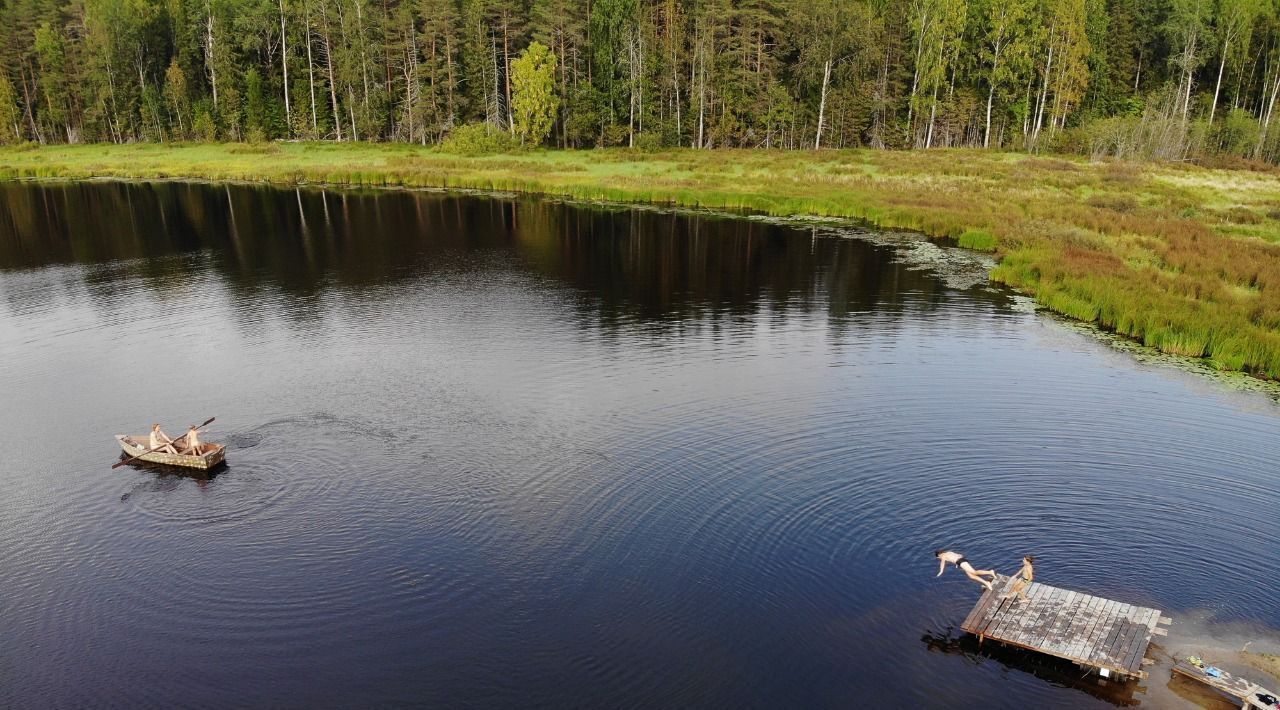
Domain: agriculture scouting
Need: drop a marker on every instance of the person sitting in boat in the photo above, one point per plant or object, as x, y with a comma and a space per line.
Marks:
1022, 579
160, 441
190, 442
962, 564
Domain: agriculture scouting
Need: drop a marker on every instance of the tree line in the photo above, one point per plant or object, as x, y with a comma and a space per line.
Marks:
1157, 78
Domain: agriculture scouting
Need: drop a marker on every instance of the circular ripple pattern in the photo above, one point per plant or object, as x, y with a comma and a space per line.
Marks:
500, 453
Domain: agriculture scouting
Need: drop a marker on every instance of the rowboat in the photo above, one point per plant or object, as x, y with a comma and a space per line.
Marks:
136, 445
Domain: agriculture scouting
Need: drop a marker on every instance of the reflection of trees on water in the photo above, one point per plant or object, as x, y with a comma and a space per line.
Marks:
289, 246
652, 265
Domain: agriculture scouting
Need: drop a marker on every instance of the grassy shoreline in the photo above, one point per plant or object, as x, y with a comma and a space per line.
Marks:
1185, 259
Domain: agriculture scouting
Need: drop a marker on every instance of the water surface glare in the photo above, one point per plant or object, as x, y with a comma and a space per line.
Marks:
514, 453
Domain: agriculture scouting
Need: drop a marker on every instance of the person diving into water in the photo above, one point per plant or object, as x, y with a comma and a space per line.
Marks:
962, 564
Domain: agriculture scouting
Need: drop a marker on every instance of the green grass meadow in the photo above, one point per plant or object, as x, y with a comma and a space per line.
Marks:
1184, 258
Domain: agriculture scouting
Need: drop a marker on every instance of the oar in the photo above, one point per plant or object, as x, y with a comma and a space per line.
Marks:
152, 451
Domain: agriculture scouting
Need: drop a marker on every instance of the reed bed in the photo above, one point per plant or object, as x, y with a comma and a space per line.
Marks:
1185, 259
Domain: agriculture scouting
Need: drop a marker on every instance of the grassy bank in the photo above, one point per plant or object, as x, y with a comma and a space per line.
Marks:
1184, 258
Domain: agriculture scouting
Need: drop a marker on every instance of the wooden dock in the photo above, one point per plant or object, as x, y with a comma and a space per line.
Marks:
1105, 635
1245, 691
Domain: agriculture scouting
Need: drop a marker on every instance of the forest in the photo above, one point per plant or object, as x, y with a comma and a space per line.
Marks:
1134, 79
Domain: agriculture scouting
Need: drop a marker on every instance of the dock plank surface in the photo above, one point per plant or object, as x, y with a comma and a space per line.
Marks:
1089, 630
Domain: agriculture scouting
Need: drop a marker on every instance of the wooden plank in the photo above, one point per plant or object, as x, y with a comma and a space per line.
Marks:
990, 623
977, 612
1011, 623
1049, 602
1057, 605
1054, 608
1063, 643
1236, 686
1113, 633
1140, 648
1099, 638
1130, 632
1056, 634
1084, 620
1100, 641
1133, 626
1120, 645
1085, 644
1116, 640
1127, 658
1062, 608
1102, 614
974, 621
1000, 608
991, 605
1006, 622
1036, 598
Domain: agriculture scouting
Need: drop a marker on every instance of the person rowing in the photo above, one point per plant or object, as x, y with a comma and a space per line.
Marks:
962, 564
160, 441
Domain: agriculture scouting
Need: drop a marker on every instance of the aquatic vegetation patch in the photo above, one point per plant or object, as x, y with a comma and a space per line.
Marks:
978, 239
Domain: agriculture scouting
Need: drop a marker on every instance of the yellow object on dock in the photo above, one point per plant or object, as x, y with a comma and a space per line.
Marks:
1109, 636
1243, 690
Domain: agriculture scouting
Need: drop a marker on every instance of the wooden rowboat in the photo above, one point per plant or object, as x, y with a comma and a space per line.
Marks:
134, 445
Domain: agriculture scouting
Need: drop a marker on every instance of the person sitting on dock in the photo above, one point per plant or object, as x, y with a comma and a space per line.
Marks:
1022, 579
962, 564
191, 442
160, 441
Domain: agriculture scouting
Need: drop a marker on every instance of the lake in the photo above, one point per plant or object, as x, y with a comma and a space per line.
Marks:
495, 451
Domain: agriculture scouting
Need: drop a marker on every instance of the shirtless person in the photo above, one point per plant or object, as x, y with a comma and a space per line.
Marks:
957, 559
191, 442
160, 441
1022, 579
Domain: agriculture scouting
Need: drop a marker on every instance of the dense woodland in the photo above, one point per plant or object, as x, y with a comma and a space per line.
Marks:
1166, 79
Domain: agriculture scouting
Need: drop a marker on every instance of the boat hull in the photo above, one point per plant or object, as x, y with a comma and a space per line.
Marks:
135, 445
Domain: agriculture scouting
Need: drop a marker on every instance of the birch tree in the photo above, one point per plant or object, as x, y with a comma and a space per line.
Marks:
1005, 50
826, 33
1234, 25
534, 100
1186, 31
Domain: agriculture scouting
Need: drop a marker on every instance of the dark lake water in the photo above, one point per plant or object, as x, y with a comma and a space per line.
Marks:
500, 452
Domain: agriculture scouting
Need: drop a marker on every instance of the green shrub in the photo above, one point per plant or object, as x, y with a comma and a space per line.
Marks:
1238, 133
203, 128
479, 139
252, 147
649, 142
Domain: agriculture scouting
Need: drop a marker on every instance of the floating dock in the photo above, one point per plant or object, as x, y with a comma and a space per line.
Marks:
1245, 691
1108, 636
